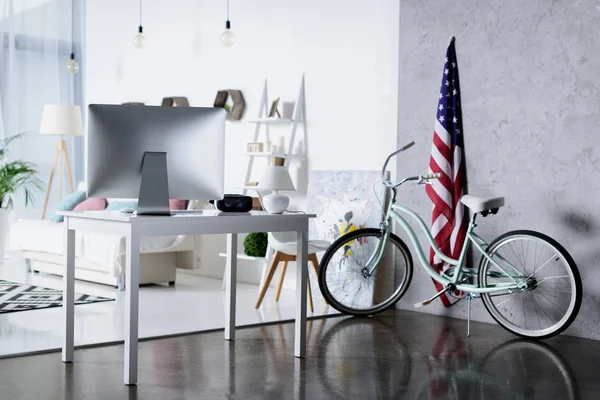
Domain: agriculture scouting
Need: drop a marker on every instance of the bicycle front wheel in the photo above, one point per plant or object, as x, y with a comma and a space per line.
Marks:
346, 282
551, 299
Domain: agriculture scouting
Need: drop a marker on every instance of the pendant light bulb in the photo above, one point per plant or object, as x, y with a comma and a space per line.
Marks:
139, 40
72, 65
228, 37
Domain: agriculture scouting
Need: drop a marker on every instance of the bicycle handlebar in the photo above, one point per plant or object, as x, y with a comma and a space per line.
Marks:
437, 175
408, 146
390, 184
387, 182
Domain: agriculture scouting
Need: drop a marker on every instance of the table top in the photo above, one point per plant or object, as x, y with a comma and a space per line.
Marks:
204, 215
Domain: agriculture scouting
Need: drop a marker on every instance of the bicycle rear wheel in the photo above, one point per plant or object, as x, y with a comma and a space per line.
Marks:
346, 283
551, 300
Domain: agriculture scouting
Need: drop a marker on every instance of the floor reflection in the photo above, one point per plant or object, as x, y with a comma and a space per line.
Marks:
380, 358
518, 369
365, 357
397, 355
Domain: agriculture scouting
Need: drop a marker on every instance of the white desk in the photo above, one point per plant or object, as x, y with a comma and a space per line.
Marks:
208, 222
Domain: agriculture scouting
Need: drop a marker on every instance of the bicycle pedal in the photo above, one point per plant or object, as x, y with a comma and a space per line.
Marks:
422, 304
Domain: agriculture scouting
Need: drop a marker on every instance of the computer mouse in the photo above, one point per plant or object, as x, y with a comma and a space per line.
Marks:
127, 210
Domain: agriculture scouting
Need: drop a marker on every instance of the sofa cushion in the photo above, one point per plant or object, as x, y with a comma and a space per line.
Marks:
67, 204
91, 204
118, 205
178, 204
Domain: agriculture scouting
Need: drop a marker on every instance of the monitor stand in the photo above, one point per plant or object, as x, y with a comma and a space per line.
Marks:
154, 187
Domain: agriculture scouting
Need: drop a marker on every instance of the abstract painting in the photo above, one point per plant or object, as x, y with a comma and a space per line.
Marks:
344, 201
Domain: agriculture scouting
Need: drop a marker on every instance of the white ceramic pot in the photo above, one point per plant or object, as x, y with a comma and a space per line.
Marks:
3, 232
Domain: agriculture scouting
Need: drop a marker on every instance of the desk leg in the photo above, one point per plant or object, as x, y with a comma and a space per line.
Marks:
230, 283
301, 282
132, 286
69, 294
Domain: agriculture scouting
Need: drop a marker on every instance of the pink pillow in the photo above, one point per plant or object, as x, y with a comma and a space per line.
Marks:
178, 204
91, 204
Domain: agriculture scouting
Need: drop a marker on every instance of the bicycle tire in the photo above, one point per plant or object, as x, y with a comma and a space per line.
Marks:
567, 261
351, 238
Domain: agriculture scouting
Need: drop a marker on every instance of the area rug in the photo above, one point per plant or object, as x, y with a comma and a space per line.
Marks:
22, 297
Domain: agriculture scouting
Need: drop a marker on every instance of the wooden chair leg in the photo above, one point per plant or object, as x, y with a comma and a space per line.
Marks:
312, 258
280, 284
270, 273
310, 302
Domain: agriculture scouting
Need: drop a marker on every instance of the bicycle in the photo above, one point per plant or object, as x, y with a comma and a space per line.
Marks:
524, 277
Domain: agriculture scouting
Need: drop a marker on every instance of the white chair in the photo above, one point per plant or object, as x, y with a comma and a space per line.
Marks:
284, 246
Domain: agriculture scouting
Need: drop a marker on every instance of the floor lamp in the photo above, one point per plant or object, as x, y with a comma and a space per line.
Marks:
63, 120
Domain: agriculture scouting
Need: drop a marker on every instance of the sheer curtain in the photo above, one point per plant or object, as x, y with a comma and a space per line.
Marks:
36, 45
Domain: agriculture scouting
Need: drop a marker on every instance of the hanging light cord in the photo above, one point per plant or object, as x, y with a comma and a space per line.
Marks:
72, 29
140, 16
227, 10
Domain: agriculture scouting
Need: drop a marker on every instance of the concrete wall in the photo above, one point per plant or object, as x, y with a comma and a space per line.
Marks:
531, 106
346, 48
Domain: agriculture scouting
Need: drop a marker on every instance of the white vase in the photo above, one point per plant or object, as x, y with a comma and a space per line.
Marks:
3, 232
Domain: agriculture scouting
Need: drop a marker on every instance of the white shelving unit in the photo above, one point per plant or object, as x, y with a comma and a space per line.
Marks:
262, 123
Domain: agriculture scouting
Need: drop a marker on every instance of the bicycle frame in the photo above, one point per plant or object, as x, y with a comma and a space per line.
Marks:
480, 244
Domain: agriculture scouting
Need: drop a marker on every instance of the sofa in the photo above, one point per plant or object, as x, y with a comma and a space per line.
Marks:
100, 258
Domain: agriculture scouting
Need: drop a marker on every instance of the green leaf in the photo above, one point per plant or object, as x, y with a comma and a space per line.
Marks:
16, 175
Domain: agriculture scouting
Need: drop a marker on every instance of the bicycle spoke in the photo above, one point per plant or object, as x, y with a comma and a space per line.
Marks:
550, 296
348, 282
543, 265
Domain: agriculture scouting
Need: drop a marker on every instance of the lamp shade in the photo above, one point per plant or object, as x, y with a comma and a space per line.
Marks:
58, 119
276, 178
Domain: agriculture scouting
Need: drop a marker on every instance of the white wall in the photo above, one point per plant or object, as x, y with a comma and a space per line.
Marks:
347, 49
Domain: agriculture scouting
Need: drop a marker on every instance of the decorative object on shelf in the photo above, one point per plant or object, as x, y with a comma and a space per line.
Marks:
255, 244
175, 102
255, 147
273, 112
63, 120
72, 65
227, 37
256, 204
288, 109
251, 183
15, 175
235, 110
139, 40
238, 106
276, 178
280, 148
221, 99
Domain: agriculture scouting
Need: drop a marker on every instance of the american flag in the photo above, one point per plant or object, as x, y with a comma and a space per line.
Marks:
448, 225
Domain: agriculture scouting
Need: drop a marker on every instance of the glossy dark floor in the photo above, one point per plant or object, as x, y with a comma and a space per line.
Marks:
397, 355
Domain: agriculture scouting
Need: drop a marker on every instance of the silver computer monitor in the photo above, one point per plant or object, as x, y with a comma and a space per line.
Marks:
155, 153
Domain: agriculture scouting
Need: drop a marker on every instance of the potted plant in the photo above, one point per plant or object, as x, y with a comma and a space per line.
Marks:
255, 244
14, 176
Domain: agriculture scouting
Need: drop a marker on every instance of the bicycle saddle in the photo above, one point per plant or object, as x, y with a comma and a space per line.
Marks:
481, 204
